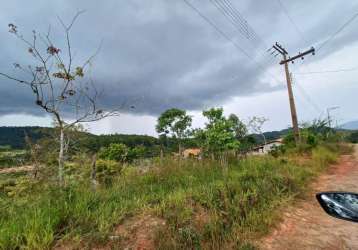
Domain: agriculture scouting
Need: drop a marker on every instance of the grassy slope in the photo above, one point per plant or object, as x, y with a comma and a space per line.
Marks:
238, 203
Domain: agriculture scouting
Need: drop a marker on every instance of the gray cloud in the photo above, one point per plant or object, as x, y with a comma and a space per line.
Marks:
160, 54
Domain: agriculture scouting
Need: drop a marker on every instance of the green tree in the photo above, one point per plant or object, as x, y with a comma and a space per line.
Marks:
220, 132
115, 151
136, 153
238, 126
176, 122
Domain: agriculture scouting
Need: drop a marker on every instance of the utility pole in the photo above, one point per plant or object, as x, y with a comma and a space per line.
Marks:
285, 61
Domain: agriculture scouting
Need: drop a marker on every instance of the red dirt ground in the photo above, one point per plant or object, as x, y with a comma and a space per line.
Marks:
307, 226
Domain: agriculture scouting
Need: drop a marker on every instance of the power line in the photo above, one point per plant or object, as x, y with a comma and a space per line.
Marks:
327, 71
292, 21
338, 31
306, 96
236, 13
213, 25
298, 30
242, 30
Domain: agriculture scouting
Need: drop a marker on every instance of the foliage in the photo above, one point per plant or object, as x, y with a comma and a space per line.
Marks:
137, 152
176, 122
353, 137
107, 169
204, 206
12, 157
115, 152
239, 127
220, 133
121, 153
15, 136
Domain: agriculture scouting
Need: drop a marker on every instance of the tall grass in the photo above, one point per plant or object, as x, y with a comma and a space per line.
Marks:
205, 205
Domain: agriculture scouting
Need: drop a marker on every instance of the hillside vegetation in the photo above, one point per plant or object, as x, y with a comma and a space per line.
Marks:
204, 205
118, 192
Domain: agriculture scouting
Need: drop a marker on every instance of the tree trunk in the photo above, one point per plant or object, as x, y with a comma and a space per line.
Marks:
180, 150
264, 138
60, 156
93, 172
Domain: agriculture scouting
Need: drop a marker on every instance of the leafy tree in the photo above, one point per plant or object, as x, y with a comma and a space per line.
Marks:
115, 152
176, 122
220, 132
246, 143
238, 126
136, 153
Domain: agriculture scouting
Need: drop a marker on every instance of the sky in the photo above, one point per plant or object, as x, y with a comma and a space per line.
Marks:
161, 54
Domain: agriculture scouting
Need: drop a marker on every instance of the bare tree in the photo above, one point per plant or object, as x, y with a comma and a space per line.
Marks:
256, 123
59, 87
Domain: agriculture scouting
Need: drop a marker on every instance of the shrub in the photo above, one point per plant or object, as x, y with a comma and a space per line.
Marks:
115, 152
353, 137
107, 170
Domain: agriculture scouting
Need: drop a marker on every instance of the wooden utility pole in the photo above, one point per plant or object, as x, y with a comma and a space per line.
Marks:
285, 61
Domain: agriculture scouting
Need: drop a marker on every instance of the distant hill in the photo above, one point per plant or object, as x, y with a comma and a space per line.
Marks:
15, 138
352, 125
271, 135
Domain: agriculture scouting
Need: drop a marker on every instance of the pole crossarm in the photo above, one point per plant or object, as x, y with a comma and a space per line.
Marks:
280, 49
300, 55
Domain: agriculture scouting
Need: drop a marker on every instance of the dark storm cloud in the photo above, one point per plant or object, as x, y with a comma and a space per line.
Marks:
160, 54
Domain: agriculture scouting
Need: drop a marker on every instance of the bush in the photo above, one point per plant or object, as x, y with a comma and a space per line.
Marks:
114, 152
353, 137
107, 170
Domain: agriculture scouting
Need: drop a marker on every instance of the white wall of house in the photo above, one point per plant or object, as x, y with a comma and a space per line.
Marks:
266, 148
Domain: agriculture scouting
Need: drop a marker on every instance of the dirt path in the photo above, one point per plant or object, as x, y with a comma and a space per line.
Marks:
16, 169
307, 226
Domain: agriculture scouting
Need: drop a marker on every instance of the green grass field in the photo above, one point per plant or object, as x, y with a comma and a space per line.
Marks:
204, 205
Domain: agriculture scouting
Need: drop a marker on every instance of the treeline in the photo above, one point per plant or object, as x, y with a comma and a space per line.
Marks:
15, 138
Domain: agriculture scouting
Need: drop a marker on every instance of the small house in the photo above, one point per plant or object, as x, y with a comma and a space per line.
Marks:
266, 147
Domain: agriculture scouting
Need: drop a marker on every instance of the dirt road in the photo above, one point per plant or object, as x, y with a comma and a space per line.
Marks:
307, 226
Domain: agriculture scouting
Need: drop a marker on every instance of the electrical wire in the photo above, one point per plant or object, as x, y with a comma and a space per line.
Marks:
327, 71
306, 96
239, 17
338, 31
213, 25
292, 21
242, 30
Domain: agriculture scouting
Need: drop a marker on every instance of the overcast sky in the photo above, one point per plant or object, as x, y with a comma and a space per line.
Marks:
161, 54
